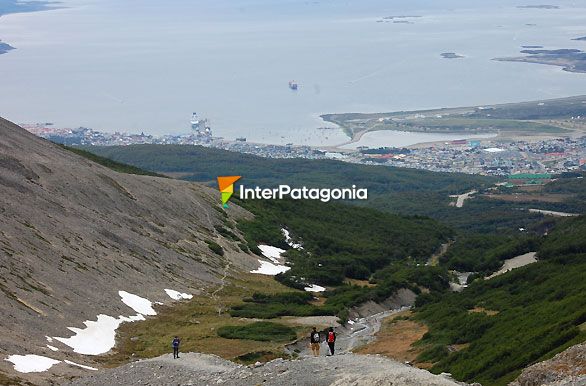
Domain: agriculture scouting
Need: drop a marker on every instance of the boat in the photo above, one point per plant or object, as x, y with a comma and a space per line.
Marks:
293, 85
200, 127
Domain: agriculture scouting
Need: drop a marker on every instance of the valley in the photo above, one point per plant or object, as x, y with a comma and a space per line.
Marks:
186, 268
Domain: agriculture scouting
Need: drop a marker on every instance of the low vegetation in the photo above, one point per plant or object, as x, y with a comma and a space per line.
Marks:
485, 253
111, 164
259, 331
196, 322
341, 241
269, 306
215, 247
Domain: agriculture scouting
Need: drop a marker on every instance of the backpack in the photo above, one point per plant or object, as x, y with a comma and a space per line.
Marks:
316, 337
331, 337
175, 342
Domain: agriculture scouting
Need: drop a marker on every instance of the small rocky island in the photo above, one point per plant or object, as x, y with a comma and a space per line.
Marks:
542, 6
4, 48
451, 55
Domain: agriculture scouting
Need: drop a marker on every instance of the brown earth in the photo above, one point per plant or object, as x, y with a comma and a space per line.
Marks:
396, 337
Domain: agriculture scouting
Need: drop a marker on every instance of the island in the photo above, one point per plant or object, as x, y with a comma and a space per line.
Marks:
543, 6
570, 59
400, 17
582, 38
531, 46
17, 6
451, 55
4, 48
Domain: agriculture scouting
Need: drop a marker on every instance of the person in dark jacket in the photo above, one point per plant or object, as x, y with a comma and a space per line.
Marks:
331, 340
314, 339
175, 343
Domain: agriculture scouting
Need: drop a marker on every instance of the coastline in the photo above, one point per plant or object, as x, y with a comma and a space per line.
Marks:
567, 65
533, 120
15, 6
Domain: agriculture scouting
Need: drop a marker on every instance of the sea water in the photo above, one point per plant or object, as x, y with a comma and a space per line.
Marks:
129, 65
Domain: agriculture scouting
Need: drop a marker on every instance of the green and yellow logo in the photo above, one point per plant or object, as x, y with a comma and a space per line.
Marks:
226, 186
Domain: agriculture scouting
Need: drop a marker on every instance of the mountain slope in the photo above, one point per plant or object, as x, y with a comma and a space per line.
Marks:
74, 233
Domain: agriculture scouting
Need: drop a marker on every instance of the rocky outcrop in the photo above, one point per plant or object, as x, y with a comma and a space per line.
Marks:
201, 369
567, 368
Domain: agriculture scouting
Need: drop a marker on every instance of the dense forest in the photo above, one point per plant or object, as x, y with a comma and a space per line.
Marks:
496, 327
395, 190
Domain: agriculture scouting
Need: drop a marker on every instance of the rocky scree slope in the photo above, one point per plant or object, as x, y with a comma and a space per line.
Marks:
74, 233
202, 369
566, 368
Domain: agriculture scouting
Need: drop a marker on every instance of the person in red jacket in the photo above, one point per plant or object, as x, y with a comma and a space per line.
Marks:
331, 339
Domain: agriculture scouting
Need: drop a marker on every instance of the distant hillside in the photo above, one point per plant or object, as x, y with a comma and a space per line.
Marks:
74, 233
492, 330
397, 190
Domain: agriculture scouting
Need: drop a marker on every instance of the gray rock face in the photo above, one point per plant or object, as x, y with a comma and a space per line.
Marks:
200, 369
74, 233
567, 368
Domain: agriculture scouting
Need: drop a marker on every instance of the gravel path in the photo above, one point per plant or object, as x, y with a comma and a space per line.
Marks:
203, 369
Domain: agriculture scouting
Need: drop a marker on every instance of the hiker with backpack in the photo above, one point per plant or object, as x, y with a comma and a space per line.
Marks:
331, 340
175, 343
314, 339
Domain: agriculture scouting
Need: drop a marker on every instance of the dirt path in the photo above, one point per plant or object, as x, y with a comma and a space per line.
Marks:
349, 337
434, 259
460, 198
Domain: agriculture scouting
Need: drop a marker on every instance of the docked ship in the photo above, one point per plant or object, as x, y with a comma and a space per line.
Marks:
200, 128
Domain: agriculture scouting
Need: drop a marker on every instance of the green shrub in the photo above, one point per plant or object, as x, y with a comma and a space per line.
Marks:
260, 331
215, 247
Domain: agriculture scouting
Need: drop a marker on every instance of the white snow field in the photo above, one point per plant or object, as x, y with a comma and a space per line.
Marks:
31, 363
176, 295
275, 266
272, 253
289, 240
78, 365
315, 288
98, 337
138, 304
268, 268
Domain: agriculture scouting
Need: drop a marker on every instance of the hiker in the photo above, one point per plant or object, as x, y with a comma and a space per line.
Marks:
314, 338
176, 342
331, 339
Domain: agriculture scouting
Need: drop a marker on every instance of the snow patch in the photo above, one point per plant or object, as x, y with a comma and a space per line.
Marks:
351, 322
267, 268
271, 253
31, 363
49, 339
52, 348
289, 240
315, 288
78, 365
176, 295
138, 304
97, 337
